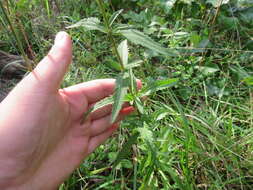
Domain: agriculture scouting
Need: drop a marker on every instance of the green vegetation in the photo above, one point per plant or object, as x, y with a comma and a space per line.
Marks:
197, 134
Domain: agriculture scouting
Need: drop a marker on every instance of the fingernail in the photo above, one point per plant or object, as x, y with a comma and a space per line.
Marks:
127, 110
60, 37
114, 126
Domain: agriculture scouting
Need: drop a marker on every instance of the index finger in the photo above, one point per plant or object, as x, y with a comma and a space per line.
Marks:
94, 90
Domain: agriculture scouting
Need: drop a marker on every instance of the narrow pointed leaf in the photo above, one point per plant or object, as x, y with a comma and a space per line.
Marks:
119, 96
91, 23
125, 151
102, 103
158, 85
123, 52
98, 105
139, 105
119, 27
140, 38
133, 83
133, 64
115, 16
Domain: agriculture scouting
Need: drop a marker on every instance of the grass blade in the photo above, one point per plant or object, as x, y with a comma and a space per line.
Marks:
16, 36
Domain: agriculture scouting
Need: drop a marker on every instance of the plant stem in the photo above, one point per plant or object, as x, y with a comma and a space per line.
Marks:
20, 47
109, 31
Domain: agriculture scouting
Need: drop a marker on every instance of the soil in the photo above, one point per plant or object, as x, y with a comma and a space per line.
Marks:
11, 71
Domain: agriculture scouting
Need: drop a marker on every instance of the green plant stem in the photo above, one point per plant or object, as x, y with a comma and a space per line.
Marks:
135, 167
20, 47
109, 31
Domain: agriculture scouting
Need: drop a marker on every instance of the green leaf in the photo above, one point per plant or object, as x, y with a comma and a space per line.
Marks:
139, 105
158, 85
248, 80
133, 64
125, 151
217, 3
246, 15
115, 16
140, 38
123, 52
126, 164
208, 69
146, 134
120, 27
168, 5
98, 105
228, 23
91, 23
245, 3
120, 93
239, 72
98, 171
113, 64
133, 83
105, 102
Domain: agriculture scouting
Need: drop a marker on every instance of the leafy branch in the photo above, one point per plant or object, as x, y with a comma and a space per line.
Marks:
126, 85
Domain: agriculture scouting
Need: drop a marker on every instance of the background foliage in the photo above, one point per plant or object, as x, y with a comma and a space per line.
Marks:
196, 135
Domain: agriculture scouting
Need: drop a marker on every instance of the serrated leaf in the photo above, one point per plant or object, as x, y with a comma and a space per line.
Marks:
123, 52
133, 64
91, 23
158, 85
119, 96
140, 38
115, 16
125, 151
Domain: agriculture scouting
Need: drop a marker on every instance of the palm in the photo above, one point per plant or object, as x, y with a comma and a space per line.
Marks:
45, 135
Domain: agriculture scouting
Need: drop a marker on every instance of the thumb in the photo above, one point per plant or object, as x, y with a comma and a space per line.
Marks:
51, 70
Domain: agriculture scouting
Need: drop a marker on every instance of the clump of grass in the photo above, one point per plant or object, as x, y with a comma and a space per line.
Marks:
7, 23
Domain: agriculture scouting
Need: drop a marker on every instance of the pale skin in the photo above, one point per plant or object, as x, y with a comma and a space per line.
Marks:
42, 136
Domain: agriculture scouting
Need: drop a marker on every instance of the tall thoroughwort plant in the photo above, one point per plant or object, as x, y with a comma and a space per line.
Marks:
126, 87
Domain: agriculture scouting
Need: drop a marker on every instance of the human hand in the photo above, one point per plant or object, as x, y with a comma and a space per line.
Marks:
42, 139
